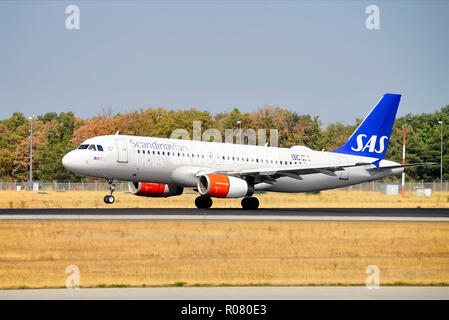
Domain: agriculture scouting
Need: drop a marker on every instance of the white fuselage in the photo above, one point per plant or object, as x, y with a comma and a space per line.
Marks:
172, 161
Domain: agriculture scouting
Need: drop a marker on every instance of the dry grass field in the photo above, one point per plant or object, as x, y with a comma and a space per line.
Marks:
194, 253
159, 253
325, 199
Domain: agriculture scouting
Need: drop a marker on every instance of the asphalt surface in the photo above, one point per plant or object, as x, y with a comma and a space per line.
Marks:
306, 214
233, 293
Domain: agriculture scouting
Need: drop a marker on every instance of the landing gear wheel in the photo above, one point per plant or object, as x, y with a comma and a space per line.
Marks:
245, 203
109, 199
203, 202
250, 203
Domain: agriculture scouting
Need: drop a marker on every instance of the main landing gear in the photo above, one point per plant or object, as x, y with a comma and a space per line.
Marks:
250, 203
109, 198
203, 202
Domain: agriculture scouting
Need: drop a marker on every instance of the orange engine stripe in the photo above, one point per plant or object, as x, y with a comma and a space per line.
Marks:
219, 185
152, 189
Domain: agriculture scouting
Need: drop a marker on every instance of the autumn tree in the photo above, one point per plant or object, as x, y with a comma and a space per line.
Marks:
22, 151
13, 131
59, 137
56, 134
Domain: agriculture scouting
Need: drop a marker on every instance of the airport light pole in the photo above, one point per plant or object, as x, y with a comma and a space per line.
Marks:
403, 161
441, 155
30, 182
240, 131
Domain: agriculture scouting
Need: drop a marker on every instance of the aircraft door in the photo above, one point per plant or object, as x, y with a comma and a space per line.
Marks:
122, 148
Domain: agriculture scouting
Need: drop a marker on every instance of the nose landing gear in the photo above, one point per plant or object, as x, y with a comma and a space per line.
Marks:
110, 199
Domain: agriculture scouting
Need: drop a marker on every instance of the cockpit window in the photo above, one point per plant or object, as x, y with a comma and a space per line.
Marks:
83, 146
92, 147
100, 148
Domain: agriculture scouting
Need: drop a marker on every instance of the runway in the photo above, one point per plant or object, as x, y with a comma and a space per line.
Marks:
233, 293
265, 214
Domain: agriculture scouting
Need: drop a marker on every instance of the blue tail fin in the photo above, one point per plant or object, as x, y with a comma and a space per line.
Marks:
371, 138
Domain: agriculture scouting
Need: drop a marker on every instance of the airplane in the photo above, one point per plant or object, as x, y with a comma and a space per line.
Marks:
160, 167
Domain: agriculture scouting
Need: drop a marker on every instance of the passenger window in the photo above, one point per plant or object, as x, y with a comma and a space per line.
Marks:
168, 153
92, 147
138, 151
100, 148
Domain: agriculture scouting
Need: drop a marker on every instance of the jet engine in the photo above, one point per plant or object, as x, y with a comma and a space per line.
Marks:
145, 189
223, 186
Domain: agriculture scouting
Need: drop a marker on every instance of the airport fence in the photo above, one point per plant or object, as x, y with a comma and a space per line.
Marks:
64, 186
409, 186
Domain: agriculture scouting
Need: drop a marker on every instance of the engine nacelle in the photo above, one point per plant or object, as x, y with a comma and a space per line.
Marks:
145, 189
223, 186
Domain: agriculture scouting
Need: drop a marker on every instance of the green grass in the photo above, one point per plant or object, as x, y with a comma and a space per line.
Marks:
179, 284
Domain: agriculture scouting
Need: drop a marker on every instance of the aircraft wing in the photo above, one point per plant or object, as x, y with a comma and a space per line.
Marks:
270, 174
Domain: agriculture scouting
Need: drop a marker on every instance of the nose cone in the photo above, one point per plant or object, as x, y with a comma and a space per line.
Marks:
71, 161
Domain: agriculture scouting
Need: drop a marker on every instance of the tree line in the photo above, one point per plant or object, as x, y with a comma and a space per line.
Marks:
56, 134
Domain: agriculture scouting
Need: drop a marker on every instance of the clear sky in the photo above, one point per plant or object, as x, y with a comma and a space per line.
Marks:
313, 57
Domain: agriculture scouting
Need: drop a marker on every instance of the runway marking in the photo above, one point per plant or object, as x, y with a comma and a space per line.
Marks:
217, 214
234, 293
219, 217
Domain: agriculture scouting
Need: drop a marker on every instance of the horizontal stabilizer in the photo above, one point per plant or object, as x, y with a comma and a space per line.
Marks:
405, 165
